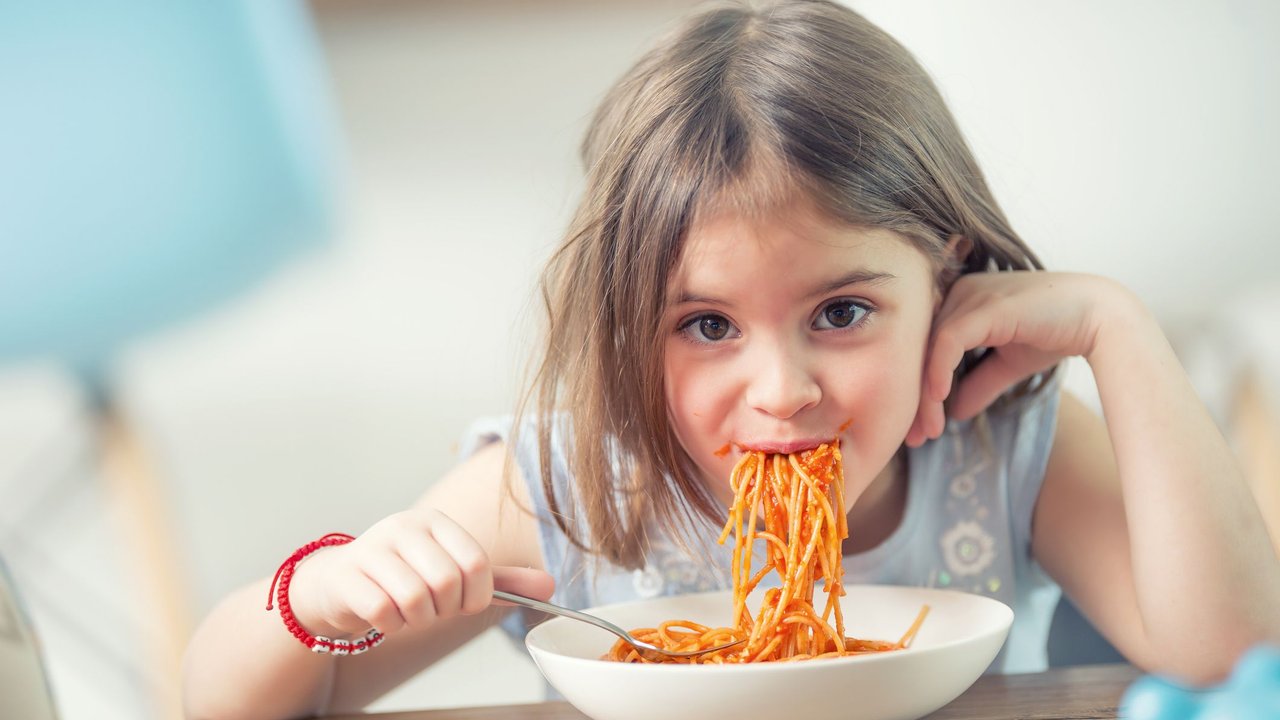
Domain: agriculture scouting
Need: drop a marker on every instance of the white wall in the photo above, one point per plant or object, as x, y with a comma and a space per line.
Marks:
1134, 138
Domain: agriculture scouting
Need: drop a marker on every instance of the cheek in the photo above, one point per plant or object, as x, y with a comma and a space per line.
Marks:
881, 394
695, 397
884, 379
700, 401
883, 397
681, 385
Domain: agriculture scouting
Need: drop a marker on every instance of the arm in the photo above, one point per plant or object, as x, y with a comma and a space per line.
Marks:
1145, 522
243, 663
1198, 581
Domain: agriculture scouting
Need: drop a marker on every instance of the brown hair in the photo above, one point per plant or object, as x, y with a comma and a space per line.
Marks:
745, 106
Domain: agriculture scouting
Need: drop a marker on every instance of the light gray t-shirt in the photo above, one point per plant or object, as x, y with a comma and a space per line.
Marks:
966, 526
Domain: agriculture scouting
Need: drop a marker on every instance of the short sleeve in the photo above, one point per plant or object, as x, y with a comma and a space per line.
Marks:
485, 431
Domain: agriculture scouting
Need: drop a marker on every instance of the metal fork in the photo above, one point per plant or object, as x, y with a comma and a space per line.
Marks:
647, 651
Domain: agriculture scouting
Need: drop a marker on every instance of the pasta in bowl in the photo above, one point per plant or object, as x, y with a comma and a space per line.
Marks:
949, 651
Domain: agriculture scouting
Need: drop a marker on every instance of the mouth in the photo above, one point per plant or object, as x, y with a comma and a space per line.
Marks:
782, 447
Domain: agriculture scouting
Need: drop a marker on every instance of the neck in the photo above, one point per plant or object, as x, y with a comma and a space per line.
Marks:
878, 511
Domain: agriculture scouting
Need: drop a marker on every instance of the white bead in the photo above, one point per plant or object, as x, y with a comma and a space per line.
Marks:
375, 638
321, 645
341, 647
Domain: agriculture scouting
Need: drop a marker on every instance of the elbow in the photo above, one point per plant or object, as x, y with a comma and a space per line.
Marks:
195, 704
198, 701
198, 705
1207, 660
202, 706
201, 701
197, 708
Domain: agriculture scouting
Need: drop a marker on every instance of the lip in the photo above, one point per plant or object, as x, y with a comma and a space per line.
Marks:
782, 447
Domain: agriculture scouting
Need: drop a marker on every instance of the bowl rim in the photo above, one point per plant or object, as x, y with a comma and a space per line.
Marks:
1001, 627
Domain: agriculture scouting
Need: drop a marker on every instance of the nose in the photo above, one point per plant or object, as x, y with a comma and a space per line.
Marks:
781, 383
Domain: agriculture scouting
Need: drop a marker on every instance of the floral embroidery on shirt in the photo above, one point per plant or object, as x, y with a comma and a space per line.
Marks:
648, 582
968, 548
671, 570
963, 485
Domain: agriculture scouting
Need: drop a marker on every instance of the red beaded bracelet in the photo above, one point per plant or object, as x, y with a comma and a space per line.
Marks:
317, 643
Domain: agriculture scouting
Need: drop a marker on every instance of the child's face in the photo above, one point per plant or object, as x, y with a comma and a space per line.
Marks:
785, 327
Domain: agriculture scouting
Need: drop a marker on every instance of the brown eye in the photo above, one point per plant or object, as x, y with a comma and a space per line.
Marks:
707, 329
713, 327
840, 314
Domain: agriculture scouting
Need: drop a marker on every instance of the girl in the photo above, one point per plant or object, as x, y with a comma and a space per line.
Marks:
782, 230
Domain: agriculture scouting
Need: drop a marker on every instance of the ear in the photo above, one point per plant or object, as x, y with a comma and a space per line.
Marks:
958, 248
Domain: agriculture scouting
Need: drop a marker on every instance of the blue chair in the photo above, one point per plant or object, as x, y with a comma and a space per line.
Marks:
155, 159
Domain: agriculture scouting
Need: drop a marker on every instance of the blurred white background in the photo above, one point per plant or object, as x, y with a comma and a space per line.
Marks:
1133, 139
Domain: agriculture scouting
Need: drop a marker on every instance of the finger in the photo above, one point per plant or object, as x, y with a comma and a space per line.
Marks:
957, 302
999, 371
408, 592
979, 328
933, 420
945, 353
960, 303
475, 586
983, 384
929, 421
371, 606
915, 436
523, 581
991, 378
438, 572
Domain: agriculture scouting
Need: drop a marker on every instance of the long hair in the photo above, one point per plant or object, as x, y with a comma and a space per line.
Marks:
744, 107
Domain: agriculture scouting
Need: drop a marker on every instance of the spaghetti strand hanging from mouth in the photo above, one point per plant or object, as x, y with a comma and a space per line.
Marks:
794, 505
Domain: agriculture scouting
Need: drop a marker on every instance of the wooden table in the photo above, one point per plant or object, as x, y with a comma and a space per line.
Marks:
1079, 693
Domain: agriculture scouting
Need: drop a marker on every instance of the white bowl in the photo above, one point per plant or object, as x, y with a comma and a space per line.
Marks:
956, 643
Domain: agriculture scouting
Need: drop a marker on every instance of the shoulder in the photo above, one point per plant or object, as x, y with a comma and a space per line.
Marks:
487, 495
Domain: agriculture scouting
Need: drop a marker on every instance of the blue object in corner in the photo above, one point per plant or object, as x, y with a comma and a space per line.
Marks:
1251, 693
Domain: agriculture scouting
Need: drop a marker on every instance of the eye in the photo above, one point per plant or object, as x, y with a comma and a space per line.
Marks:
709, 328
839, 314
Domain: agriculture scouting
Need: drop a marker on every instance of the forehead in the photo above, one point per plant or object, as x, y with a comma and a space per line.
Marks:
795, 242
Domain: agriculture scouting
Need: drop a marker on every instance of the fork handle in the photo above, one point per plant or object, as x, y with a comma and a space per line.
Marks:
566, 612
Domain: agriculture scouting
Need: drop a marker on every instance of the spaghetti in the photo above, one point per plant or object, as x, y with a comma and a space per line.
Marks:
794, 504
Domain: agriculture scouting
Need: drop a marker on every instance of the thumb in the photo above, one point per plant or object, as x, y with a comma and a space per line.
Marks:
531, 583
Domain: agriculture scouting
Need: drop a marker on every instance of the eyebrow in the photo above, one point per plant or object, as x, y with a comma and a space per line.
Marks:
855, 277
